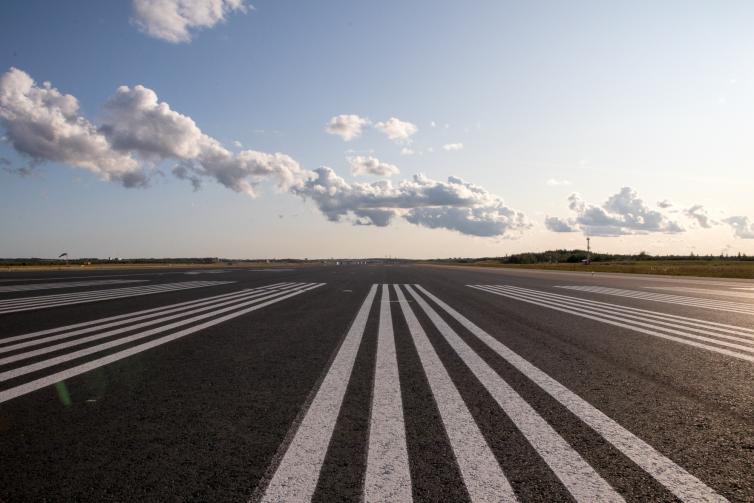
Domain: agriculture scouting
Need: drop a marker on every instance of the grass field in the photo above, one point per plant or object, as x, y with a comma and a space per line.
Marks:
161, 265
704, 268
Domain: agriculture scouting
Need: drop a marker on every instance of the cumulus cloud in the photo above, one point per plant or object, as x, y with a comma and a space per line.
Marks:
44, 124
347, 126
554, 182
407, 151
175, 20
742, 227
137, 130
397, 130
454, 205
664, 204
452, 146
556, 224
622, 214
368, 165
699, 214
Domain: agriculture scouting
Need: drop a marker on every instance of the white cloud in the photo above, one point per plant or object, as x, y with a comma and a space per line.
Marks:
622, 214
699, 214
742, 227
45, 125
432, 124
237, 144
137, 130
554, 182
556, 224
397, 130
452, 146
368, 165
407, 151
454, 205
347, 126
174, 20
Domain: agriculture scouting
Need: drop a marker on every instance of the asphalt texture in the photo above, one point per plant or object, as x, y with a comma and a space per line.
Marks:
259, 385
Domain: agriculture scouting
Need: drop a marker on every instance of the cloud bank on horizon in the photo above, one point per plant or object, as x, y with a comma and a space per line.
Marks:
138, 132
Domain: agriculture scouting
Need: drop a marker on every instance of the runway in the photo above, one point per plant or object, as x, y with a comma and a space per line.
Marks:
377, 383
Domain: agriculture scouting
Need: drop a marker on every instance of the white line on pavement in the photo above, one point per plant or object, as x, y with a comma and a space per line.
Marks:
296, 476
124, 318
388, 477
91, 365
193, 307
33, 367
633, 325
77, 342
481, 472
681, 483
581, 480
60, 286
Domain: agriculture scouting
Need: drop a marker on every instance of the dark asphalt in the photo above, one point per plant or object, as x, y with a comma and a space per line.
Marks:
209, 416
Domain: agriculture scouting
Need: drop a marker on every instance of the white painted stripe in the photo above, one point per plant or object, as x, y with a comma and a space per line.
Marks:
581, 480
33, 367
109, 297
623, 325
388, 477
45, 299
575, 309
680, 320
42, 382
50, 299
110, 333
656, 319
122, 321
703, 291
96, 294
481, 472
677, 480
123, 318
735, 307
296, 476
60, 286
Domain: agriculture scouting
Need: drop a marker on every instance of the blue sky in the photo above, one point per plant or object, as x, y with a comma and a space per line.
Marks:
560, 119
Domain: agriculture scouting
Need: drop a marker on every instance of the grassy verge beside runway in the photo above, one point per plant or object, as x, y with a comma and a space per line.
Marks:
156, 265
702, 268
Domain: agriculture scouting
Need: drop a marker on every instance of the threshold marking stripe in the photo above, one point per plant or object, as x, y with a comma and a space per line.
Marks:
91, 365
657, 325
388, 476
33, 367
295, 478
578, 476
196, 306
681, 483
720, 305
170, 287
124, 318
77, 342
601, 318
60, 286
687, 323
481, 472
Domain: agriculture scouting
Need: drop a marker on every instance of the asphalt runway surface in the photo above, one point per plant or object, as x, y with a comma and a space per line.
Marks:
375, 383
